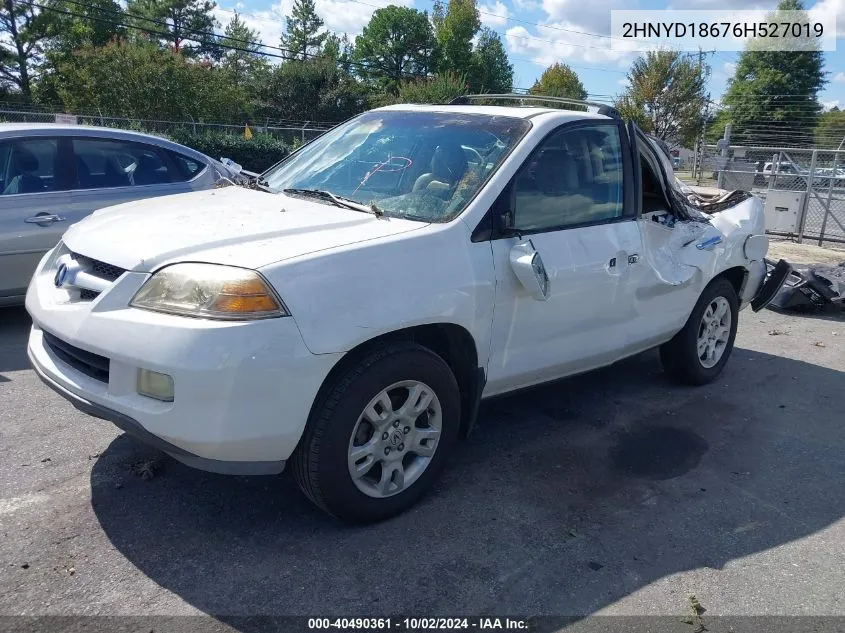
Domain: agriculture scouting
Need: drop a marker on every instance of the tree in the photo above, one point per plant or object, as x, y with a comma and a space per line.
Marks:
314, 89
666, 96
71, 26
398, 42
772, 98
559, 80
22, 33
241, 51
185, 25
490, 69
830, 131
303, 37
440, 88
455, 26
139, 80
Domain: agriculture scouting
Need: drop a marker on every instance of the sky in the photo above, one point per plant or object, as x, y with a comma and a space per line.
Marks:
538, 33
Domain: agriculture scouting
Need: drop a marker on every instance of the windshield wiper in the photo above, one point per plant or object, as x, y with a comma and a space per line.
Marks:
338, 200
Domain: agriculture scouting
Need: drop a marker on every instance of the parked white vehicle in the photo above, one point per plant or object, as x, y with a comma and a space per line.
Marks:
349, 311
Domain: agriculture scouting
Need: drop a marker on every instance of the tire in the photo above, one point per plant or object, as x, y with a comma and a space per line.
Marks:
323, 461
680, 356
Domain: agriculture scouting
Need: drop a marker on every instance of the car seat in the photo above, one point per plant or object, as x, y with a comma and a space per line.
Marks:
448, 165
23, 163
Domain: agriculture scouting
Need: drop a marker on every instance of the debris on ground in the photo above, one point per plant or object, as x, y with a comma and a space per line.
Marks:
93, 456
695, 611
812, 287
146, 468
45, 460
819, 344
777, 332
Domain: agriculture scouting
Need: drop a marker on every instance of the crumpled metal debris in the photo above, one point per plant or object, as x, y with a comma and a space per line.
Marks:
813, 287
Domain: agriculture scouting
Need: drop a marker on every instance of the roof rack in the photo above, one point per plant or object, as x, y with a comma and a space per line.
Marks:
600, 108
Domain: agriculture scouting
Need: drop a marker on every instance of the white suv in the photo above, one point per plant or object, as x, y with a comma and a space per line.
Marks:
350, 309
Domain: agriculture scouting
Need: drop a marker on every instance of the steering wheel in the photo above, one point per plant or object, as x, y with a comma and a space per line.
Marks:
477, 155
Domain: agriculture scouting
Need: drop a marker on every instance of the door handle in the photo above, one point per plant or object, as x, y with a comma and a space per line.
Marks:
44, 218
633, 259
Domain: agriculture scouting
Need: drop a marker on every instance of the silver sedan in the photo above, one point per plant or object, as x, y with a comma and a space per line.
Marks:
54, 175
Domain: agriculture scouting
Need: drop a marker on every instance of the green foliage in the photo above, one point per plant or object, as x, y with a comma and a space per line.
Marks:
559, 80
398, 41
255, 154
243, 62
303, 37
441, 88
666, 96
96, 23
22, 34
455, 26
312, 90
142, 81
831, 129
773, 97
179, 24
490, 69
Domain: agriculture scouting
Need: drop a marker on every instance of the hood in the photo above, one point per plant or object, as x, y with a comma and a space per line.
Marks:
231, 225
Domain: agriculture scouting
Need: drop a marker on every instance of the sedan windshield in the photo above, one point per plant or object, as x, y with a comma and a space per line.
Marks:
418, 165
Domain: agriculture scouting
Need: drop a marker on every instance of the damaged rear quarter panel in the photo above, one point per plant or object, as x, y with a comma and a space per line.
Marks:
692, 253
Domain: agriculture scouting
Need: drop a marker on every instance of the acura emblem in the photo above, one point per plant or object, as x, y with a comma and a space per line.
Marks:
61, 275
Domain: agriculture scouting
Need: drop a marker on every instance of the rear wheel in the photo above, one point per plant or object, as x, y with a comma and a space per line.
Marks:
380, 436
697, 354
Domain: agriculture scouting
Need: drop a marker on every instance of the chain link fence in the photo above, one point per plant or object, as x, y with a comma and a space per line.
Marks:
290, 132
803, 189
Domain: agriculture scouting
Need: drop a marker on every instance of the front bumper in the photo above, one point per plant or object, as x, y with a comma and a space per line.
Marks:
130, 426
243, 390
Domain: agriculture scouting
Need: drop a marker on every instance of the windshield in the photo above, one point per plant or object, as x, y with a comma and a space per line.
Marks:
419, 165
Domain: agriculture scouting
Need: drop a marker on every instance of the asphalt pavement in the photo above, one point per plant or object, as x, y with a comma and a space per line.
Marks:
614, 492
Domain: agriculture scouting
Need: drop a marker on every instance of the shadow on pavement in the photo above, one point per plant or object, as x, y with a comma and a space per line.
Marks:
567, 498
14, 328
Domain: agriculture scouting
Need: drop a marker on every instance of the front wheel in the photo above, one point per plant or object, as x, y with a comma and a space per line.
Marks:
697, 354
378, 439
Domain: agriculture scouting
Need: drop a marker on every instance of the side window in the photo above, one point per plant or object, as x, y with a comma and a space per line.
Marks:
29, 166
188, 167
574, 177
105, 163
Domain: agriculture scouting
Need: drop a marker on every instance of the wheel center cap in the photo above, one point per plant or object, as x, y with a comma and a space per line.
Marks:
395, 438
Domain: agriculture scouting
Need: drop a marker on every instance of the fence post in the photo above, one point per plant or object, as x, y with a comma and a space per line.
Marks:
726, 143
830, 183
805, 203
772, 175
304, 125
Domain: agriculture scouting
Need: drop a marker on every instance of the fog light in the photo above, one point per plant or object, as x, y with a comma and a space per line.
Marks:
155, 385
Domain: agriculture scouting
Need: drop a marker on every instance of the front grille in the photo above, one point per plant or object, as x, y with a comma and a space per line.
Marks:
88, 295
98, 268
88, 363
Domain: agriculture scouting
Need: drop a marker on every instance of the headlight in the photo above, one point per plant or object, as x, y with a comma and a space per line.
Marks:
210, 291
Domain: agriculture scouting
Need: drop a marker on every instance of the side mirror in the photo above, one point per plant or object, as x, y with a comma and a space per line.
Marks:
528, 267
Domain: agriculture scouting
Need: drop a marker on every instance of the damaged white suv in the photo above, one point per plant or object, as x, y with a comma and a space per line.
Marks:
349, 310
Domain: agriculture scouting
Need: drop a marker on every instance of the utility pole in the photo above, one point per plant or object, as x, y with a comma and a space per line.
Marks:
698, 163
